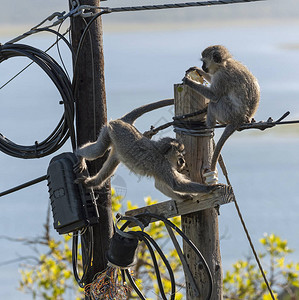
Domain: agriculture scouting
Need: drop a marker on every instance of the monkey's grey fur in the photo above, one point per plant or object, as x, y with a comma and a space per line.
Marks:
160, 159
234, 92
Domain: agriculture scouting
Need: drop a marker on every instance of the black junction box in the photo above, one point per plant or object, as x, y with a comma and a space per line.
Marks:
73, 206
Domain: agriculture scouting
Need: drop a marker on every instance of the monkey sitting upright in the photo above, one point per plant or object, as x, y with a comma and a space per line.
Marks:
160, 159
234, 92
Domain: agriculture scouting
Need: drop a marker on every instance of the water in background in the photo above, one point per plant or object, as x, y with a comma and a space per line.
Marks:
142, 67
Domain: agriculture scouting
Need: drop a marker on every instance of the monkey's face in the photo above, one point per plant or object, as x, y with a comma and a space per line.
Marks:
181, 163
211, 64
175, 154
213, 58
179, 153
204, 66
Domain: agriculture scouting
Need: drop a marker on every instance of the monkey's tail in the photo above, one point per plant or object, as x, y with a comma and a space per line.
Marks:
228, 131
138, 112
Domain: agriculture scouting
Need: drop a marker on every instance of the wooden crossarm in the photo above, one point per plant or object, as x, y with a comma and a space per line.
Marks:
172, 208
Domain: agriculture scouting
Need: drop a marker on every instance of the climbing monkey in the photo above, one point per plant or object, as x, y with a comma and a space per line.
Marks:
161, 159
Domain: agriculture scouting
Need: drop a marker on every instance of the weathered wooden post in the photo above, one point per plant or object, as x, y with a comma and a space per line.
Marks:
201, 227
91, 115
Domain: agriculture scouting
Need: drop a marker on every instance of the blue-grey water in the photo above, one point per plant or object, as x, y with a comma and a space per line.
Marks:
142, 67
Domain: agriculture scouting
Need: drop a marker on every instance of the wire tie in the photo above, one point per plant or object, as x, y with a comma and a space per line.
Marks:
57, 14
204, 132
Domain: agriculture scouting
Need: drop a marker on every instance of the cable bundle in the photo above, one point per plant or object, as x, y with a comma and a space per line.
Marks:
145, 219
65, 127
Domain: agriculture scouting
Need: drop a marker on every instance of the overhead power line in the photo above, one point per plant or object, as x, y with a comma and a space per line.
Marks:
24, 185
176, 5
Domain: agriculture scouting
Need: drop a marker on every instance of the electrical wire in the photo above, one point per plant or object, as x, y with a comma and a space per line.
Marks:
65, 127
58, 37
224, 171
176, 5
24, 185
134, 286
82, 39
87, 256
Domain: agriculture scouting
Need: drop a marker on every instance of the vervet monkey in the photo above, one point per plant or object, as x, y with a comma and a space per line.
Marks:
162, 159
234, 93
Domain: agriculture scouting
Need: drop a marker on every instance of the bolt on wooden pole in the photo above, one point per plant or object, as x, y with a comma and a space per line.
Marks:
91, 115
201, 227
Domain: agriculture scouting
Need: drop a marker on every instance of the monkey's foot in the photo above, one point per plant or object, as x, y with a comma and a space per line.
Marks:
213, 187
211, 177
218, 186
81, 180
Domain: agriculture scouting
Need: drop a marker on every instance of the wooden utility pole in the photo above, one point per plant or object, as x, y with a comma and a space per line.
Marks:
91, 115
201, 227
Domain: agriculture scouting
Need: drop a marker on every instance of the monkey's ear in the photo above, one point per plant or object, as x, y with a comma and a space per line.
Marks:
165, 148
217, 57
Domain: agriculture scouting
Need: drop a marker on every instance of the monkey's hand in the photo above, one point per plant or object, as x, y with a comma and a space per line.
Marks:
80, 166
199, 71
198, 75
187, 81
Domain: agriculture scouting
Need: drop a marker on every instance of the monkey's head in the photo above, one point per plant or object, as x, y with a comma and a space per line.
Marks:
214, 57
174, 151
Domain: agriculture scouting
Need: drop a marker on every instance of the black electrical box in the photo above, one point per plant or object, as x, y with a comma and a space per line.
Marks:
73, 206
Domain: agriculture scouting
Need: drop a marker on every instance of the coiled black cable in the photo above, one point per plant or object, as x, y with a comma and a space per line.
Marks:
65, 127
